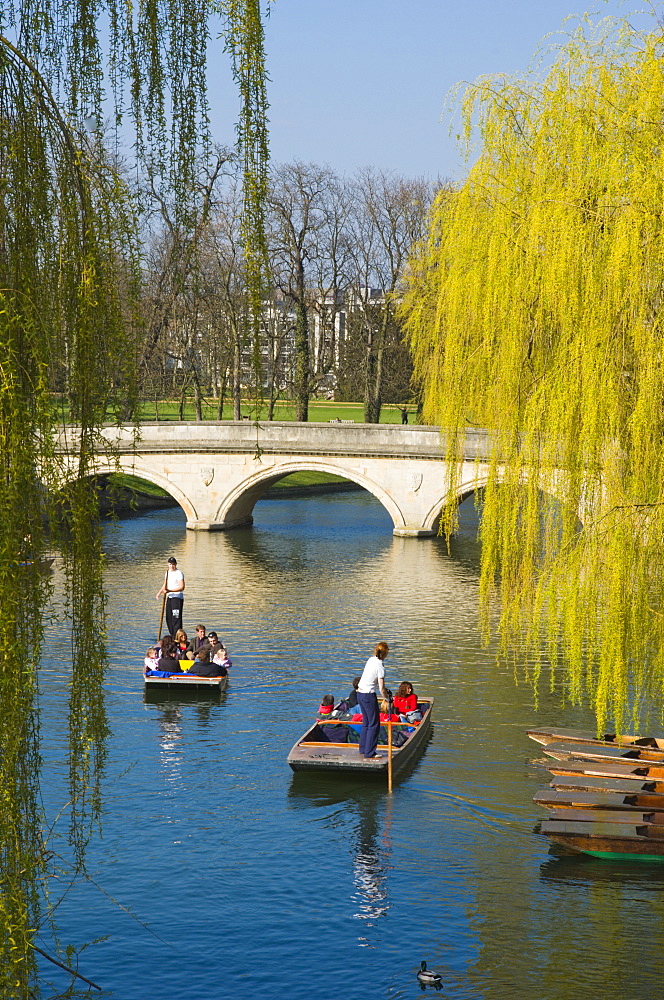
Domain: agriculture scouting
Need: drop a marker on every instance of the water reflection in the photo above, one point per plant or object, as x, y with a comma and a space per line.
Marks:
367, 819
583, 869
298, 874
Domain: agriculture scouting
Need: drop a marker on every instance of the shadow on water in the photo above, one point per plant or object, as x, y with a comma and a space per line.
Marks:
584, 870
199, 696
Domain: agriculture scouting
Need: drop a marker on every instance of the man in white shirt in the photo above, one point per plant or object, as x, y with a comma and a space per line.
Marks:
173, 588
373, 676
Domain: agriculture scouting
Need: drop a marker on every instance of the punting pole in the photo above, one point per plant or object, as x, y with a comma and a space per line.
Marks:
389, 742
163, 605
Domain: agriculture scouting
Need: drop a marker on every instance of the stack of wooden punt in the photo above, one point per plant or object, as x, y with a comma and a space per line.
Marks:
606, 797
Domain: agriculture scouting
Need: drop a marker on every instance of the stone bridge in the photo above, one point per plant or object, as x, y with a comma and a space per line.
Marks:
217, 471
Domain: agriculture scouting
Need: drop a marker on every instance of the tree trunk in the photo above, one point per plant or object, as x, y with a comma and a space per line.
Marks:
222, 396
369, 378
237, 363
301, 361
374, 374
197, 395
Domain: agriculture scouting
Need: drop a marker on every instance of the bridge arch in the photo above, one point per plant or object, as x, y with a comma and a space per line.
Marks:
468, 488
156, 478
237, 507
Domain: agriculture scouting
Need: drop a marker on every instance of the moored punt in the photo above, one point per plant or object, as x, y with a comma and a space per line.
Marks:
186, 681
599, 816
604, 769
603, 752
597, 783
557, 735
597, 800
643, 842
314, 752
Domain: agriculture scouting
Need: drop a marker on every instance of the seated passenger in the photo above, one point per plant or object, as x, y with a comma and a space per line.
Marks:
349, 704
222, 658
200, 639
334, 732
405, 703
182, 644
151, 659
204, 667
168, 662
213, 642
326, 707
352, 697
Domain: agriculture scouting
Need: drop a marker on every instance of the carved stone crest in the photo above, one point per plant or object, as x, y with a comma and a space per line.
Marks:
414, 480
208, 475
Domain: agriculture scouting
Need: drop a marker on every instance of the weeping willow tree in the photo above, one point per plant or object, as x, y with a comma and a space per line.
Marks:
69, 279
536, 310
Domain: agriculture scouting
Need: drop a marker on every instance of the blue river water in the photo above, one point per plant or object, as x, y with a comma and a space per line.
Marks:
218, 873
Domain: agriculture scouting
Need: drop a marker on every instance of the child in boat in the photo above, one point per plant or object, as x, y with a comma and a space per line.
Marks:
326, 707
221, 658
151, 659
334, 732
405, 703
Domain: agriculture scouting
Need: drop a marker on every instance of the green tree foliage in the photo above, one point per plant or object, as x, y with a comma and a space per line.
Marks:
69, 269
535, 310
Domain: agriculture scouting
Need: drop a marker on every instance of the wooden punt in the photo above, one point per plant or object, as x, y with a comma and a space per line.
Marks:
314, 752
604, 769
557, 735
584, 751
596, 783
640, 816
186, 681
597, 800
35, 565
638, 841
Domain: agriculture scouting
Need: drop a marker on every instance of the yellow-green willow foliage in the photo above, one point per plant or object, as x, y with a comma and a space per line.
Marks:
535, 311
68, 263
69, 272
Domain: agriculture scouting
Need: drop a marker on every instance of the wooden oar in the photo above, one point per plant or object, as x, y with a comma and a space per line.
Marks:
389, 742
163, 606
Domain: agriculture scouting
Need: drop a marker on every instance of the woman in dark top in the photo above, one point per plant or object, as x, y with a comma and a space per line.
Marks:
168, 662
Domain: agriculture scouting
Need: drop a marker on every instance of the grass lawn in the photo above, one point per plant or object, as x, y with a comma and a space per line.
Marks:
320, 411
122, 481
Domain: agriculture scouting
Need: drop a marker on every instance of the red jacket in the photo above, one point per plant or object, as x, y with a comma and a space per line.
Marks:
407, 704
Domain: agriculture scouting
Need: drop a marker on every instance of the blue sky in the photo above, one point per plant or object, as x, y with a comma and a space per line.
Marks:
365, 82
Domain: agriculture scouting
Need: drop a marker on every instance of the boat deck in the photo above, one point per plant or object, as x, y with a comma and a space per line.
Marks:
313, 754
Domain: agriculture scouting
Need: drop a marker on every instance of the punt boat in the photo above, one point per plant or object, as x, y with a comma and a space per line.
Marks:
636, 841
555, 735
597, 783
638, 816
634, 770
315, 752
597, 800
185, 681
603, 752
